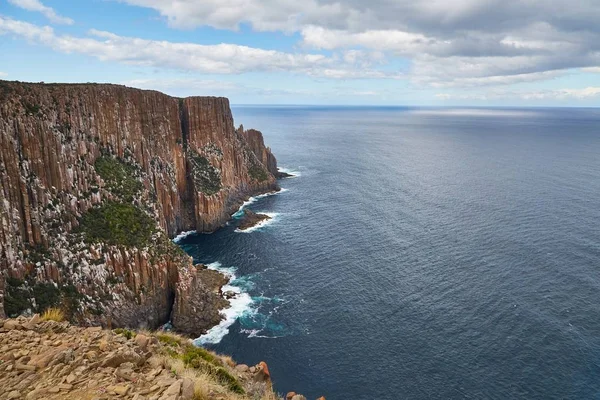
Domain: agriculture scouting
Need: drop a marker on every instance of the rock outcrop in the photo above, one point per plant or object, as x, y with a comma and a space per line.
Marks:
95, 179
52, 360
251, 219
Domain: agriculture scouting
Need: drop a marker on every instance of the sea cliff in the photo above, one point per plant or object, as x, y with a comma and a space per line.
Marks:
95, 179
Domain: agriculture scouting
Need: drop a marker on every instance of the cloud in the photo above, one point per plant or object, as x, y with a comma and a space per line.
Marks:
48, 12
444, 41
3, 74
559, 94
195, 87
214, 59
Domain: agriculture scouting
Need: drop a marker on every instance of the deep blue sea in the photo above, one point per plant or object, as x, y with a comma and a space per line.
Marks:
420, 254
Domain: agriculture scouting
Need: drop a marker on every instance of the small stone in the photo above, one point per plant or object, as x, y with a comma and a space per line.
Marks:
263, 372
54, 389
142, 341
33, 321
65, 386
172, 391
13, 395
298, 397
187, 389
121, 390
11, 324
242, 368
290, 395
23, 367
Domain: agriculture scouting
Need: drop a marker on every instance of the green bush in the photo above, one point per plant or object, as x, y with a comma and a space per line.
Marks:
258, 173
46, 296
117, 224
125, 332
199, 358
207, 178
120, 177
16, 297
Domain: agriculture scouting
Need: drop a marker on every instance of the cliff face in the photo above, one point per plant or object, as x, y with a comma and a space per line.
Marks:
94, 179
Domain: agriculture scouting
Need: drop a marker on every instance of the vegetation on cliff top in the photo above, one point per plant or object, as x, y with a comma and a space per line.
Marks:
117, 224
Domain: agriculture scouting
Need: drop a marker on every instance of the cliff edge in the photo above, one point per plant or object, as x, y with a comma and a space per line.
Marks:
94, 181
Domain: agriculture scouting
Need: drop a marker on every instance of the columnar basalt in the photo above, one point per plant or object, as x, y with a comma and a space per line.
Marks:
81, 164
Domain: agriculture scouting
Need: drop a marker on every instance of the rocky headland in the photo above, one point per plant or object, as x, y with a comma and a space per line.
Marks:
95, 179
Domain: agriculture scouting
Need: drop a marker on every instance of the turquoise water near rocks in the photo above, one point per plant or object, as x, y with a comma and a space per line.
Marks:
420, 253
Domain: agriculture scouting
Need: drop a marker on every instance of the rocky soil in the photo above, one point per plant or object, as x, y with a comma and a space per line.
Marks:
54, 360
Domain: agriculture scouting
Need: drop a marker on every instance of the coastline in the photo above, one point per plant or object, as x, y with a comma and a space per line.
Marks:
238, 300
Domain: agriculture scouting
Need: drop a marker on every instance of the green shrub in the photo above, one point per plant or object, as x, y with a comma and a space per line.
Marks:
199, 358
125, 332
120, 177
258, 173
16, 297
117, 224
46, 296
207, 178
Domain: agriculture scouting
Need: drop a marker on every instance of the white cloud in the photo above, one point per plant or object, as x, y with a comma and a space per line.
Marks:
593, 70
559, 94
447, 41
48, 12
3, 74
215, 59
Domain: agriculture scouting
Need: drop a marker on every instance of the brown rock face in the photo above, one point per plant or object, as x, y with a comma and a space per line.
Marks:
256, 143
179, 161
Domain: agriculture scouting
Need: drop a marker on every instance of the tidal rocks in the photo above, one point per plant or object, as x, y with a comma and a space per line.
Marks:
251, 219
147, 166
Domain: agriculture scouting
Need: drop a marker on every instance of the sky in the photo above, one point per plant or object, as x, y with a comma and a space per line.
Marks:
345, 52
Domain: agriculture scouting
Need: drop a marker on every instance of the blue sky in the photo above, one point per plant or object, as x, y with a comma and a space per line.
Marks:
381, 52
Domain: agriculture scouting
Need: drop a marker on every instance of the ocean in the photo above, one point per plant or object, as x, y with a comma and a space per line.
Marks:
420, 253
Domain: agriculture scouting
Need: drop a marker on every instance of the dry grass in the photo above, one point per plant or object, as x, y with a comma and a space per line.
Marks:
53, 314
180, 357
172, 339
227, 360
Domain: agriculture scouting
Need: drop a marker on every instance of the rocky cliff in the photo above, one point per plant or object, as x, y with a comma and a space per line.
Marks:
95, 179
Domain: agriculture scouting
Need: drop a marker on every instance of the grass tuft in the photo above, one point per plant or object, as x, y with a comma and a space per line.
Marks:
53, 314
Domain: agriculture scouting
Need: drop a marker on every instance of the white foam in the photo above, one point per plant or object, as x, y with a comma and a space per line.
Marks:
182, 236
254, 199
293, 172
240, 304
264, 222
254, 333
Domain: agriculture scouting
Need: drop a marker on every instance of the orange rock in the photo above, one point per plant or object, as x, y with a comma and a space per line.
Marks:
265, 369
321, 398
290, 395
